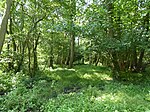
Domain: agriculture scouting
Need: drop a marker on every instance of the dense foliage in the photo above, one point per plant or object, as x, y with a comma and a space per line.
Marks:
74, 55
112, 33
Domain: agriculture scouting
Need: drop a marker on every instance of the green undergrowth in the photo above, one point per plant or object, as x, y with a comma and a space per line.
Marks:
82, 89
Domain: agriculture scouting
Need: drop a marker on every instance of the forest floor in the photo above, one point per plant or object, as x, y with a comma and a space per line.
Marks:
82, 89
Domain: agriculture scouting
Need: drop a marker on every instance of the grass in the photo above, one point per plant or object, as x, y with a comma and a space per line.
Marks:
82, 89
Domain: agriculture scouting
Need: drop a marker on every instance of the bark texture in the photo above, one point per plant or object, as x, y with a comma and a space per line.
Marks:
4, 23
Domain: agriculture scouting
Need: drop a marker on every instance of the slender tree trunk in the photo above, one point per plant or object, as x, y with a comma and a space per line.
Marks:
58, 60
35, 61
29, 58
72, 45
78, 41
82, 60
51, 60
61, 60
90, 58
20, 62
94, 58
3, 27
134, 59
97, 59
11, 32
29, 61
67, 58
72, 33
140, 61
11, 63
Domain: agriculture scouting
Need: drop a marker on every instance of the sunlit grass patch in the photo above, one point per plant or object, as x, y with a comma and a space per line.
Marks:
95, 76
93, 73
108, 97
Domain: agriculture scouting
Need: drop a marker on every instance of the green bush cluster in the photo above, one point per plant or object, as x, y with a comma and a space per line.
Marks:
26, 96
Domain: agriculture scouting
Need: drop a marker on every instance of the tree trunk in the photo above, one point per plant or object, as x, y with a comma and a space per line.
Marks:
58, 60
3, 27
134, 59
72, 44
35, 61
51, 62
29, 57
20, 62
72, 33
51, 57
97, 59
90, 58
140, 61
9, 62
67, 58
29, 61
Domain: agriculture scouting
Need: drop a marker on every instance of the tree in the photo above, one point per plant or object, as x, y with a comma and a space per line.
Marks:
72, 31
3, 27
110, 33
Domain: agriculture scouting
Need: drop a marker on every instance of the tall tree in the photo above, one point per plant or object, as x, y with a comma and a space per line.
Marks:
3, 27
72, 32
